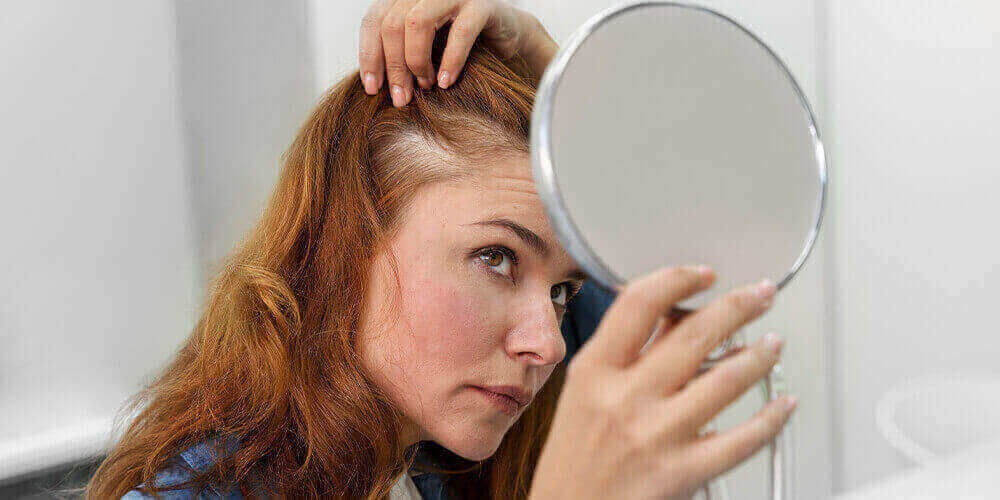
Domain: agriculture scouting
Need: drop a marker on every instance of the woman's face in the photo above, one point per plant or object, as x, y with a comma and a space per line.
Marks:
469, 316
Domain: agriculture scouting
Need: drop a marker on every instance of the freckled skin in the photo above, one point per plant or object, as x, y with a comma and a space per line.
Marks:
456, 322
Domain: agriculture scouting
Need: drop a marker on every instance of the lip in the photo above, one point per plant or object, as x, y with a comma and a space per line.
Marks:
510, 398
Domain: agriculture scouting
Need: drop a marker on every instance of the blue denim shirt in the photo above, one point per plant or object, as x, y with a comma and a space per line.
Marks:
581, 320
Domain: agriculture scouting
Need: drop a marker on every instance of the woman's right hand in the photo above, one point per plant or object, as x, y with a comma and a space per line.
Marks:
627, 422
397, 35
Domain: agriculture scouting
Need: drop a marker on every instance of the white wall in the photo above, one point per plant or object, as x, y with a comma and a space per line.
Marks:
139, 142
98, 264
247, 85
912, 96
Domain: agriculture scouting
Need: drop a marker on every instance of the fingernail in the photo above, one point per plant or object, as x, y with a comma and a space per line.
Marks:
704, 271
790, 403
765, 290
397, 96
369, 82
423, 82
773, 342
444, 79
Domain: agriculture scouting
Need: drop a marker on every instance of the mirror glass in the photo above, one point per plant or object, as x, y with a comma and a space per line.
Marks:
667, 134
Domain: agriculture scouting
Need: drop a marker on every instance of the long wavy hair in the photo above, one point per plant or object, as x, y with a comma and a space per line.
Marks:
273, 363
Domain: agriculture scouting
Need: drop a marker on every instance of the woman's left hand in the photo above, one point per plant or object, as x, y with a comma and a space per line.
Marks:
396, 38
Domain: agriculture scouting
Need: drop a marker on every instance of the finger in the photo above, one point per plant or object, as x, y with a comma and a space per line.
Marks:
666, 324
371, 60
730, 352
464, 29
393, 37
629, 321
714, 455
663, 325
421, 24
708, 394
671, 363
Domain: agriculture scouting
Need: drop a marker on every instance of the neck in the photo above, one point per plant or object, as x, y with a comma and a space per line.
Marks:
411, 434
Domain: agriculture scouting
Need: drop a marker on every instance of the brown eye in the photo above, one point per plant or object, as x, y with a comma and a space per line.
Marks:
495, 258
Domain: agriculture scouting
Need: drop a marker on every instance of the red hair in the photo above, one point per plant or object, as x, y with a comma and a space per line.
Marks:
272, 359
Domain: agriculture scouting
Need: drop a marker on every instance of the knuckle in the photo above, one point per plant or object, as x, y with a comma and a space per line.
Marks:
371, 22
635, 297
684, 422
629, 390
731, 376
747, 444
416, 20
368, 55
416, 64
763, 359
463, 31
705, 341
609, 400
395, 67
450, 63
635, 427
671, 426
637, 433
393, 24
742, 302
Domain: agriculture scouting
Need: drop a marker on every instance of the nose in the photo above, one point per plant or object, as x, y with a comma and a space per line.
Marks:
536, 338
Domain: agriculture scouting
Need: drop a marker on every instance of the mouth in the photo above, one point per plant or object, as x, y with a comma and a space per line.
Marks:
508, 399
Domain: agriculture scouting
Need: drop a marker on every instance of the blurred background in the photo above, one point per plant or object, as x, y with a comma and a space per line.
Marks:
139, 141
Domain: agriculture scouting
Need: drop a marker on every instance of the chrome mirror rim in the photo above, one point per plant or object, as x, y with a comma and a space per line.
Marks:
541, 150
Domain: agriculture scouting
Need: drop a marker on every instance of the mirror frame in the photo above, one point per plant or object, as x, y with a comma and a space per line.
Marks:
541, 150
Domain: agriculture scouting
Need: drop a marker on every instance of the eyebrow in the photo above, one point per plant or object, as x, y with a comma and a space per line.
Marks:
529, 238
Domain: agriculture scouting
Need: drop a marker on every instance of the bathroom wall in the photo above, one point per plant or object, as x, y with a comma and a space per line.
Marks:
97, 283
911, 93
246, 86
139, 142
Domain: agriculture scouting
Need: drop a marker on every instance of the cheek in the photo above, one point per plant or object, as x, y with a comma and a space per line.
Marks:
451, 323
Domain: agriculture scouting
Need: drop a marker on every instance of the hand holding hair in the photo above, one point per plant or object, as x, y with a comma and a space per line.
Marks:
397, 35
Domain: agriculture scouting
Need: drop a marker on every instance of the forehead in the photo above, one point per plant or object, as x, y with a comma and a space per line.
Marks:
503, 190
510, 185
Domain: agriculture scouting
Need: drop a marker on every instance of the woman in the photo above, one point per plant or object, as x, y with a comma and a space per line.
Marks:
403, 293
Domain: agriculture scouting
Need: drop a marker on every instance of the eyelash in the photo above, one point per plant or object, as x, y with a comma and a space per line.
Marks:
572, 288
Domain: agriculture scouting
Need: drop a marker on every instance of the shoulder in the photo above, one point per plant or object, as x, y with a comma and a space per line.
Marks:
182, 468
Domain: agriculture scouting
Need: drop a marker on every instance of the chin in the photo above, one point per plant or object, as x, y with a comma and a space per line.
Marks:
475, 444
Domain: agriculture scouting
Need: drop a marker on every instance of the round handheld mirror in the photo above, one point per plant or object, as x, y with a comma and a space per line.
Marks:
668, 134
